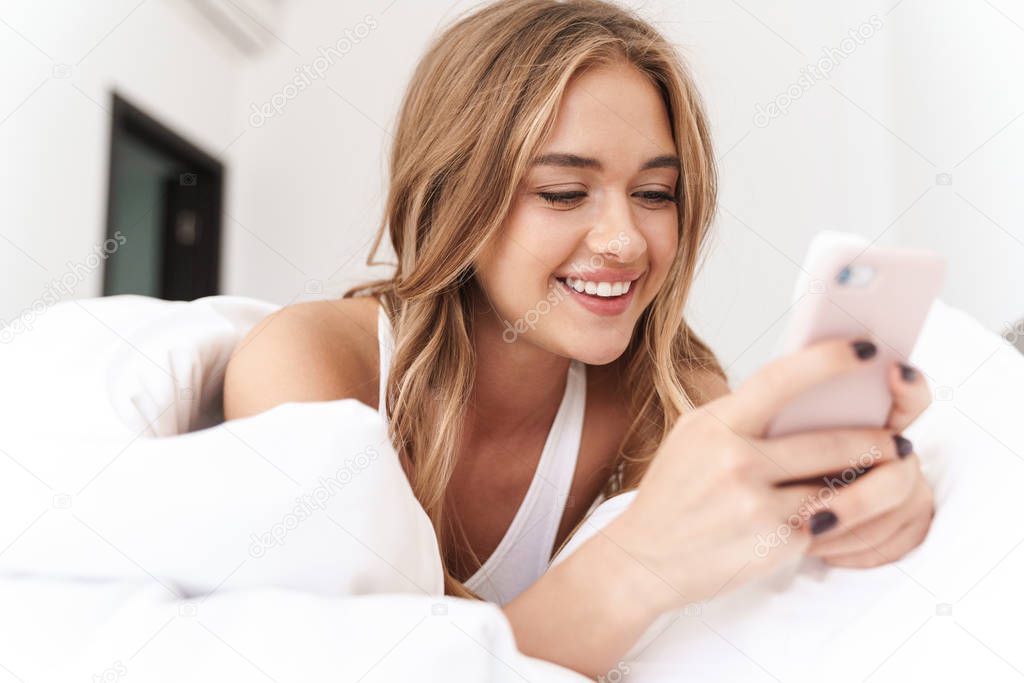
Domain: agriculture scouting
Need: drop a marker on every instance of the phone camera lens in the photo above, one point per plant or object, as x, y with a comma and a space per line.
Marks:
844, 276
855, 276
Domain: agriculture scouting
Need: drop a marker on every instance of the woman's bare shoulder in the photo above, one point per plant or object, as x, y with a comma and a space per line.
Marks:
316, 351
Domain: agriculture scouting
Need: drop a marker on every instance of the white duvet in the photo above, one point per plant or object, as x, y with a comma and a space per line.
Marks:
140, 538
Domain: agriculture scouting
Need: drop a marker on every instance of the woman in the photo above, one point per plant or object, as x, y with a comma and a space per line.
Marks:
552, 184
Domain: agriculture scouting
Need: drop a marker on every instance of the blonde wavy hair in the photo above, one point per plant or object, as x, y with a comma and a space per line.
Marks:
479, 105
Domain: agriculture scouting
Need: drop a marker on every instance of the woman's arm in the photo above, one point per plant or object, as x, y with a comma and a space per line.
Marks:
589, 609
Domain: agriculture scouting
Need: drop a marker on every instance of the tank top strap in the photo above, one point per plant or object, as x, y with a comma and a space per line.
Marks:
386, 349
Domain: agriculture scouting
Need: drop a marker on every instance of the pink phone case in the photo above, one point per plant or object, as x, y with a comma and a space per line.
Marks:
885, 299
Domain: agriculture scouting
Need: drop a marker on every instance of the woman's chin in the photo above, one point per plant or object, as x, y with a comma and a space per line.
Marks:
597, 351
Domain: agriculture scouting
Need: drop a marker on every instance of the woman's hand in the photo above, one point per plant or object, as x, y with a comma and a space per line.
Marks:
889, 535
711, 512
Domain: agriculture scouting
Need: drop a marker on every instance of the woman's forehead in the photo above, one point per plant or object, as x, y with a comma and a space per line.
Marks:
611, 112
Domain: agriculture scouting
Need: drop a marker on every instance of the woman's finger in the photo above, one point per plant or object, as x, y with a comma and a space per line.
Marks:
875, 532
906, 539
910, 396
750, 409
832, 510
843, 454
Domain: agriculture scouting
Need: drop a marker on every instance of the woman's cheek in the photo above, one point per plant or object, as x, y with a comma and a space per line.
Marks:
521, 262
662, 242
549, 238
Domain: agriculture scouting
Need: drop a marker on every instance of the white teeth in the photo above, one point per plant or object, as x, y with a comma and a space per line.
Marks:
605, 289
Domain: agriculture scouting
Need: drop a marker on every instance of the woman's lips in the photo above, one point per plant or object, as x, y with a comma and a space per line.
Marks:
601, 305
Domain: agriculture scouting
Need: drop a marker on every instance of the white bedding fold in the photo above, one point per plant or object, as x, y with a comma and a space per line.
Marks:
54, 630
305, 496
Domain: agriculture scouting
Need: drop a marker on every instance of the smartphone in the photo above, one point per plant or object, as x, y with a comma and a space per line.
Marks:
855, 291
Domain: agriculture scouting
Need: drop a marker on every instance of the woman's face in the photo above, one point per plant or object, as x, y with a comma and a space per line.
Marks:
595, 212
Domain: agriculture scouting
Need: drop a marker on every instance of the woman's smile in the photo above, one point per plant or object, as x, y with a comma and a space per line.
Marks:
605, 292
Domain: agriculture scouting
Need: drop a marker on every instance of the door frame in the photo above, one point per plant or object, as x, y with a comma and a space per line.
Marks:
128, 119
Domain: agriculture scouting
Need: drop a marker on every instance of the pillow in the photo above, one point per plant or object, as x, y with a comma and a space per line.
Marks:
306, 496
125, 364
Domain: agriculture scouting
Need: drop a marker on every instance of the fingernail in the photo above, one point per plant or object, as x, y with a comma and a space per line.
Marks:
864, 349
908, 373
903, 446
823, 521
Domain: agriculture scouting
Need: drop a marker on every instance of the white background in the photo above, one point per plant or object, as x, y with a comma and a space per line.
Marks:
936, 90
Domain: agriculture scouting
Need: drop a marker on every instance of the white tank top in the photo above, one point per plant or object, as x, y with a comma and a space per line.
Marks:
524, 552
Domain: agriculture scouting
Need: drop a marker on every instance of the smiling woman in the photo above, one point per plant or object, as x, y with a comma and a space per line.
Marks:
536, 185
552, 174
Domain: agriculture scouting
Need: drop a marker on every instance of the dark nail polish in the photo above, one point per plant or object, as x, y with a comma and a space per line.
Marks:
864, 349
903, 446
908, 373
823, 521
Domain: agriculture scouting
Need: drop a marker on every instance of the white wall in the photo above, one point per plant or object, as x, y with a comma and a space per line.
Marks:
61, 59
859, 151
310, 180
960, 101
818, 165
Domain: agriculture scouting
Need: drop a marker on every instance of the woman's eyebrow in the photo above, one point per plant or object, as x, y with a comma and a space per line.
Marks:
662, 161
576, 161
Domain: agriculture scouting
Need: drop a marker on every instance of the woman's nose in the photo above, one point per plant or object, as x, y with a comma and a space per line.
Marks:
615, 234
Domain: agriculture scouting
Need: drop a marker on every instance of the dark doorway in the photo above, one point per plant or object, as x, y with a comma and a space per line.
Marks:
163, 208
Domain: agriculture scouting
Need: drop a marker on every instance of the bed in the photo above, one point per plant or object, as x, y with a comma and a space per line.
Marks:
143, 537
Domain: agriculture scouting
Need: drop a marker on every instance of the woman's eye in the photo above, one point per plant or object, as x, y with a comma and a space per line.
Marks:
655, 197
562, 199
